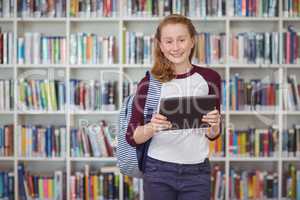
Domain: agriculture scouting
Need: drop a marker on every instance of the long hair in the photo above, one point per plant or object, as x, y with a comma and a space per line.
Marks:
162, 68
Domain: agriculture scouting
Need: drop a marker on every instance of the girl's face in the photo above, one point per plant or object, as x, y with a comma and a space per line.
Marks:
176, 44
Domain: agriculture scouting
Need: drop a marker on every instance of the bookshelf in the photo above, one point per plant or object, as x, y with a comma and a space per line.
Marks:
104, 26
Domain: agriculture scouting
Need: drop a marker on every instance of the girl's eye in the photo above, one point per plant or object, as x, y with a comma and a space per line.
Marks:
169, 42
182, 40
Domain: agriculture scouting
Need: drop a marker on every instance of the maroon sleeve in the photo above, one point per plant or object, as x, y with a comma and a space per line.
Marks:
137, 116
213, 80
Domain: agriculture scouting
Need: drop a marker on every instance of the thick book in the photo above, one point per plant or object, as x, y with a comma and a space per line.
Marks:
187, 112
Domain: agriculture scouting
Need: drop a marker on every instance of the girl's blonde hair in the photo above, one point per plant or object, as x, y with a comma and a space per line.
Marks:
162, 68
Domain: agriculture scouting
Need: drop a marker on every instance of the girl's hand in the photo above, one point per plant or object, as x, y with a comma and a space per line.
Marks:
213, 118
159, 122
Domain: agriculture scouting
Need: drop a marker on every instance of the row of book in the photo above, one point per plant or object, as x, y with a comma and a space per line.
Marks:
291, 142
41, 95
93, 95
96, 8
128, 88
253, 8
254, 142
7, 140
211, 48
217, 147
291, 45
6, 47
7, 8
132, 188
95, 184
35, 186
6, 95
291, 182
291, 93
138, 48
94, 140
291, 8
218, 183
34, 8
41, 141
36, 48
7, 187
191, 8
89, 48
254, 48
253, 184
255, 94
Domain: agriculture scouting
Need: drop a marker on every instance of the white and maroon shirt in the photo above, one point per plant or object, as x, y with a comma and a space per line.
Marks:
184, 146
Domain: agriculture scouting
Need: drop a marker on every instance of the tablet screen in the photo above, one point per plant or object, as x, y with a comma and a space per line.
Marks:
187, 112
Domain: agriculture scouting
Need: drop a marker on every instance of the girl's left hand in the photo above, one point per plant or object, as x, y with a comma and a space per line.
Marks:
213, 118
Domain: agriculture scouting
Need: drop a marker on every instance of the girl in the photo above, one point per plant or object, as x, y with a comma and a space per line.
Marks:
175, 163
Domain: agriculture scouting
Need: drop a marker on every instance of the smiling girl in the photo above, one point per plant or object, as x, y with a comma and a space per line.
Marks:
175, 164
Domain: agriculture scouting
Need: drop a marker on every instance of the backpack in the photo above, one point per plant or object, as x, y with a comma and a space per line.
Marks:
128, 157
126, 154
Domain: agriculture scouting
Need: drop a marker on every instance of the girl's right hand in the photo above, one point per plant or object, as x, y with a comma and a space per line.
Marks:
159, 122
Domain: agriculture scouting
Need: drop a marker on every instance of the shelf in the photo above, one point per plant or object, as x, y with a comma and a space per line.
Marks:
256, 159
291, 112
41, 112
291, 66
8, 158
95, 66
42, 19
55, 159
137, 66
291, 159
93, 159
237, 65
253, 112
217, 159
41, 66
6, 112
7, 19
275, 19
291, 19
6, 66
94, 112
94, 19
133, 19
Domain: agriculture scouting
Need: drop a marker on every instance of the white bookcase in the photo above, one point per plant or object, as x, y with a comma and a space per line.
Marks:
115, 26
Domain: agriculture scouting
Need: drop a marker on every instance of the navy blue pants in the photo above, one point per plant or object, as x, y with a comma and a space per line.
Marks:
171, 181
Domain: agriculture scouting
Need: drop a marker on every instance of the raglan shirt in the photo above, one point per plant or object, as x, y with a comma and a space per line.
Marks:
185, 146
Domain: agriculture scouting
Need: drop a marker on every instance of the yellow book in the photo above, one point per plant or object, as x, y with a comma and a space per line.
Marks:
243, 143
48, 96
211, 148
24, 142
95, 186
219, 145
50, 188
53, 95
256, 142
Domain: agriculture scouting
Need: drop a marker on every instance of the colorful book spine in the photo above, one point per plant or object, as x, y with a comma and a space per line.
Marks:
211, 48
97, 184
253, 8
191, 8
94, 140
218, 182
139, 48
6, 95
41, 141
33, 8
291, 181
6, 47
291, 8
89, 48
254, 94
7, 8
291, 142
7, 140
93, 95
94, 8
254, 184
41, 95
132, 187
37, 186
217, 147
253, 142
36, 48
254, 48
7, 188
